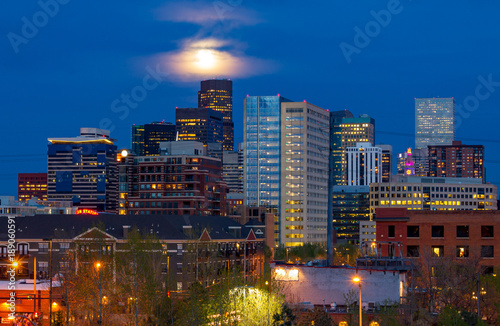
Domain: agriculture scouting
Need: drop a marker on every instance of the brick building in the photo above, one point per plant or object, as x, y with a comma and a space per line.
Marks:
457, 160
181, 184
195, 248
453, 234
30, 185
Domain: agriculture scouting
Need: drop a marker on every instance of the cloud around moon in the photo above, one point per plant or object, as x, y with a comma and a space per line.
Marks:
210, 53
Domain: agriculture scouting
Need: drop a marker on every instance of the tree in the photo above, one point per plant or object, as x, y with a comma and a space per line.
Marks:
143, 279
317, 317
284, 317
345, 254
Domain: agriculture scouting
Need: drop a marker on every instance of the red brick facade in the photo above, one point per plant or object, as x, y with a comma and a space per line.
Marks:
454, 234
31, 185
457, 161
176, 185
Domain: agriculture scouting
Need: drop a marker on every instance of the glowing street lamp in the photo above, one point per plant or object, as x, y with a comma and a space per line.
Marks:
358, 280
98, 267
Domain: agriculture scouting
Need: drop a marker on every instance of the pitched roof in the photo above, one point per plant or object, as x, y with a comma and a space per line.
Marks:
166, 227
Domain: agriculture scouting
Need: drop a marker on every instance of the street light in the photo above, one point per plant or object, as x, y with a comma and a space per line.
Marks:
98, 267
268, 295
358, 280
50, 279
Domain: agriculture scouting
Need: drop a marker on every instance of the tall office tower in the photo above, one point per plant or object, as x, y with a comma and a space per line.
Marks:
199, 124
434, 121
352, 131
31, 185
364, 164
232, 170
457, 160
181, 181
351, 205
82, 170
386, 162
217, 94
336, 143
286, 165
145, 140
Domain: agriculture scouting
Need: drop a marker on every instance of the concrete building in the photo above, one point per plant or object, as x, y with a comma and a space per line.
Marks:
457, 161
232, 170
364, 164
456, 234
427, 193
11, 208
286, 165
434, 121
326, 285
367, 232
82, 170
31, 185
145, 140
351, 206
217, 94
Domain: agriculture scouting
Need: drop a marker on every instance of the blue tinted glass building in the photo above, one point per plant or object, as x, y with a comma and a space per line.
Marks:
262, 137
83, 170
287, 166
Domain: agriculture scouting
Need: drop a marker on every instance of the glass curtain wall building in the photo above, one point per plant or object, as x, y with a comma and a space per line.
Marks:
286, 166
262, 132
434, 121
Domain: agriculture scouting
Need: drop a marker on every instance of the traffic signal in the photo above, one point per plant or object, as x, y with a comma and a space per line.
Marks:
36, 315
168, 294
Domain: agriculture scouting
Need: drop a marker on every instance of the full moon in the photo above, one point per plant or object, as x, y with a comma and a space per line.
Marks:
206, 58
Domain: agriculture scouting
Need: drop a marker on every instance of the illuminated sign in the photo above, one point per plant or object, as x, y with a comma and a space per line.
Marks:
86, 211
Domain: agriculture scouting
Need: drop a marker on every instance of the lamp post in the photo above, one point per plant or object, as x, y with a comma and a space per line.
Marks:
358, 280
98, 267
268, 295
50, 280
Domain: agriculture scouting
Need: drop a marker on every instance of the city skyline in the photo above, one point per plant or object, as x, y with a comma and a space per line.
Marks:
52, 88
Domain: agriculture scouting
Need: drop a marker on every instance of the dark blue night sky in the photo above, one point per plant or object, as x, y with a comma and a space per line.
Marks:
69, 69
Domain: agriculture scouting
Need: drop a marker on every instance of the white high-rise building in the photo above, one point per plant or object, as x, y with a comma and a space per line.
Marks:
364, 164
286, 166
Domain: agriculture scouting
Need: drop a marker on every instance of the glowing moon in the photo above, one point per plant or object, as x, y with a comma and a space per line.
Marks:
206, 58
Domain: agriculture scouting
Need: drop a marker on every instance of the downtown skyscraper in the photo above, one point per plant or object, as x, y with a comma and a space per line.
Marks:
434, 121
347, 131
286, 166
217, 94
